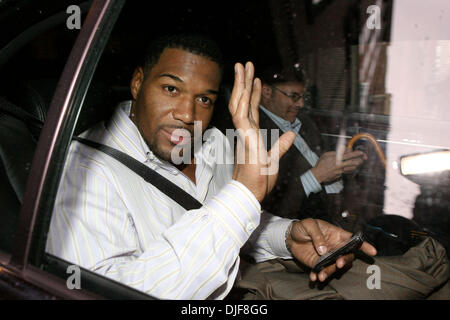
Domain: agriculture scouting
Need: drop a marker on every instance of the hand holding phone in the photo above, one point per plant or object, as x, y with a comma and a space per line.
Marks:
330, 257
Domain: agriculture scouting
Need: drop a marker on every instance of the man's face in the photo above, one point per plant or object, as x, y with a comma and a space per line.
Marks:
181, 88
279, 103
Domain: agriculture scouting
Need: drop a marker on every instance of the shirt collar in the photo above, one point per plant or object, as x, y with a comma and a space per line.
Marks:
125, 134
282, 123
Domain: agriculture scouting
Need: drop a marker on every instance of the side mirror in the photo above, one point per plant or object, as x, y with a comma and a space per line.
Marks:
427, 169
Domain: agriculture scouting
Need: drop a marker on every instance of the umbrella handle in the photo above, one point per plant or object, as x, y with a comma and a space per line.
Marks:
374, 142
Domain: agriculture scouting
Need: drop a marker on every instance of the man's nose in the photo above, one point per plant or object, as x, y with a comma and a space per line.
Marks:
185, 111
300, 103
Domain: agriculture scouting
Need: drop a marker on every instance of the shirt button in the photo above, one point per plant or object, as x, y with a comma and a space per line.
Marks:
250, 227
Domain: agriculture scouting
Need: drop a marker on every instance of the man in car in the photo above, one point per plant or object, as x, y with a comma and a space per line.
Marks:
309, 181
108, 219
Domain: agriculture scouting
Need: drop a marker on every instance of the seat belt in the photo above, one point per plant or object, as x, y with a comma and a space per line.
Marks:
149, 175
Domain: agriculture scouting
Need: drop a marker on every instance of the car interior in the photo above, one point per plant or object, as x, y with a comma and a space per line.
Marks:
29, 76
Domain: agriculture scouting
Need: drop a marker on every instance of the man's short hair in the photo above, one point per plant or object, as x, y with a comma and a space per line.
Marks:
194, 43
274, 74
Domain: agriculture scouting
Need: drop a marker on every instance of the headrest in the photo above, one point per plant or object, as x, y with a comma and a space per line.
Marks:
25, 96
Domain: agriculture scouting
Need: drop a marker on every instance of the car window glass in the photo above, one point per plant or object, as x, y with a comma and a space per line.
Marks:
370, 72
28, 79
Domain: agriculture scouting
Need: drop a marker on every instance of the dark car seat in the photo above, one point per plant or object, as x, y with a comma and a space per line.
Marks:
18, 136
23, 108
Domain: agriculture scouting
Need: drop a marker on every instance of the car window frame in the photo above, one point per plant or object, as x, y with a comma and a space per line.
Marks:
22, 37
28, 257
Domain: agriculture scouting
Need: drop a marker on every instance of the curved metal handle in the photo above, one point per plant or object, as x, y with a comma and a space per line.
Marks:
374, 142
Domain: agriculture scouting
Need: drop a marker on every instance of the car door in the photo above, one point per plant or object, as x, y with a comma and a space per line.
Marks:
31, 176
340, 44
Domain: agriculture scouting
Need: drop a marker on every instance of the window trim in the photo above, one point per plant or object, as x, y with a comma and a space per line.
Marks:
29, 257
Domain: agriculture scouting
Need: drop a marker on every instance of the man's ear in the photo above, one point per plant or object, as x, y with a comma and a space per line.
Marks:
136, 82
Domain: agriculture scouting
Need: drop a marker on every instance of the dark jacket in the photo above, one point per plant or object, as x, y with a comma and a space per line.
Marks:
288, 198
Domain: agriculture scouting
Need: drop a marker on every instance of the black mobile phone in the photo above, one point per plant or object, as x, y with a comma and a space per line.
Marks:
330, 257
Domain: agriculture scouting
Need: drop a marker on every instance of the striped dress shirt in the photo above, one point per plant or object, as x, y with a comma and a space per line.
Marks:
109, 220
309, 181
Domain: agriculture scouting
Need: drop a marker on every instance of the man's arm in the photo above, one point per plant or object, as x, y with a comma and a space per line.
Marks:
330, 168
268, 241
194, 258
309, 183
304, 240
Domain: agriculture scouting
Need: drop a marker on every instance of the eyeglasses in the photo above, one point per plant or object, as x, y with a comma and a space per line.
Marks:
294, 96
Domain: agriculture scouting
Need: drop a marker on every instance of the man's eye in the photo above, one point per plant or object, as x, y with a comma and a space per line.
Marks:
205, 100
170, 89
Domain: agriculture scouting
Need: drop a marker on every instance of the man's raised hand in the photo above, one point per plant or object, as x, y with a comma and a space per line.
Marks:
253, 160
